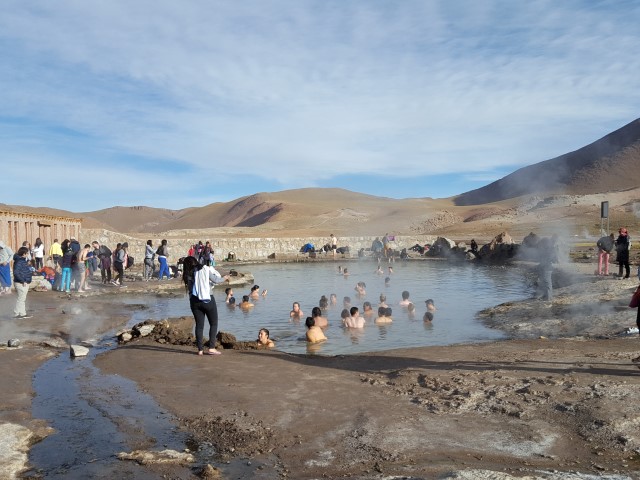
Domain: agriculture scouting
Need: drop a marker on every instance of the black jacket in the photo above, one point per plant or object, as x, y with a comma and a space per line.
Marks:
21, 270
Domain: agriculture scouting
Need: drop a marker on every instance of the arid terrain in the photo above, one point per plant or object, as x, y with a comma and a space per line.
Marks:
555, 401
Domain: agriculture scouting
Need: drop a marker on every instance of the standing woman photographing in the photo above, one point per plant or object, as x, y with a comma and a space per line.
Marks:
197, 280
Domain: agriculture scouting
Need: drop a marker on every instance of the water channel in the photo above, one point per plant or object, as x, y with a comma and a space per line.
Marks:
96, 416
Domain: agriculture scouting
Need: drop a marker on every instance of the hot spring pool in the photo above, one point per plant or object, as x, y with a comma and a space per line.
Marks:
459, 292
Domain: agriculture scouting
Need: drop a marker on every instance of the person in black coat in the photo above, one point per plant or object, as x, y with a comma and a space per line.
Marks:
623, 243
21, 279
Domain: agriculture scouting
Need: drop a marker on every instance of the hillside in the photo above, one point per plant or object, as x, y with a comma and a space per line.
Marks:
561, 194
606, 165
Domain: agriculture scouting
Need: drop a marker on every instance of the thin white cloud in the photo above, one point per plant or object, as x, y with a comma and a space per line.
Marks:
298, 92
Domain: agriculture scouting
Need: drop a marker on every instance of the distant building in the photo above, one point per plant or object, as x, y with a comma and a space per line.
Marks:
16, 227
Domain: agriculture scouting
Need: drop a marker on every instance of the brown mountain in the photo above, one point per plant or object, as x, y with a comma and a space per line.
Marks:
607, 165
533, 198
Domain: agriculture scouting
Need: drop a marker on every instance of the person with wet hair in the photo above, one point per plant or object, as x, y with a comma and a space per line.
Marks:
255, 292
197, 281
405, 299
431, 307
319, 320
314, 333
427, 317
295, 312
354, 320
246, 304
382, 318
367, 309
264, 340
323, 303
383, 300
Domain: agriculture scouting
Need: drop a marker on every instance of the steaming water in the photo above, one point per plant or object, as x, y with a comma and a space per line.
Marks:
459, 292
90, 410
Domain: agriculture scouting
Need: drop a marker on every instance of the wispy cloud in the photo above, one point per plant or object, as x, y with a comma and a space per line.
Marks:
263, 95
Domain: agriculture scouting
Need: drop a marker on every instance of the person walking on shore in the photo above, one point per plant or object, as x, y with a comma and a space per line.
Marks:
163, 254
119, 259
21, 278
149, 264
605, 247
197, 281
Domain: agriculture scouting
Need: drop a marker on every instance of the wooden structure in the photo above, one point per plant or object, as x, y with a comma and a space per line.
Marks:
16, 227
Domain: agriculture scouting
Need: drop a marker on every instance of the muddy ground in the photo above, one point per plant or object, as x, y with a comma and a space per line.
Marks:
540, 406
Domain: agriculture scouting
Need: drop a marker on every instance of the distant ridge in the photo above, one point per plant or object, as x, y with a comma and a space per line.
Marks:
609, 164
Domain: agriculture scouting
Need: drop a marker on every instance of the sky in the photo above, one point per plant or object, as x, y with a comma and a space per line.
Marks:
179, 104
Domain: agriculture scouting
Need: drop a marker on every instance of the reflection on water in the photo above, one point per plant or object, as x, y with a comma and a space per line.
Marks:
459, 292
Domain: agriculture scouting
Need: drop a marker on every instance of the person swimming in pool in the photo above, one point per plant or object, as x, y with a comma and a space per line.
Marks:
264, 340
314, 333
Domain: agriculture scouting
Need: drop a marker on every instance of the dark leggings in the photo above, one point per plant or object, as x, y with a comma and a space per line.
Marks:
200, 310
119, 268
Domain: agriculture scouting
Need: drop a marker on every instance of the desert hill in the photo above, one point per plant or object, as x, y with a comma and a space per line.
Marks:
524, 201
606, 165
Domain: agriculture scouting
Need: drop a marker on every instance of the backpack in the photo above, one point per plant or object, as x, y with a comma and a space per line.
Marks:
130, 261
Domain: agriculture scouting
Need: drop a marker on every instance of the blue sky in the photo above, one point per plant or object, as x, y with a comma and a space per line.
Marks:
177, 104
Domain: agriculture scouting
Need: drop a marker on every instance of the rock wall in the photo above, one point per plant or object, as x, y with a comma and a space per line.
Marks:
246, 249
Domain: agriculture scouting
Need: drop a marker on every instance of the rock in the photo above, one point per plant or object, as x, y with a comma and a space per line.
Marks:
146, 457
144, 330
225, 339
14, 445
500, 249
79, 351
209, 472
55, 342
13, 343
124, 337
441, 247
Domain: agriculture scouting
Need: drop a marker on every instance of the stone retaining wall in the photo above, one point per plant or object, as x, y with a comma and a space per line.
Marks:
246, 249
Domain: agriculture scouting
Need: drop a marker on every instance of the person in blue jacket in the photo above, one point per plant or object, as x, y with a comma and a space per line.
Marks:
21, 279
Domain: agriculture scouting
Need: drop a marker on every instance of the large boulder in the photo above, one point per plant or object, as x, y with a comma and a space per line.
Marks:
498, 250
441, 247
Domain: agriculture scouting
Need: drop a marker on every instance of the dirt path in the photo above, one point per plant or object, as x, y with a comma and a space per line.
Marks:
519, 407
